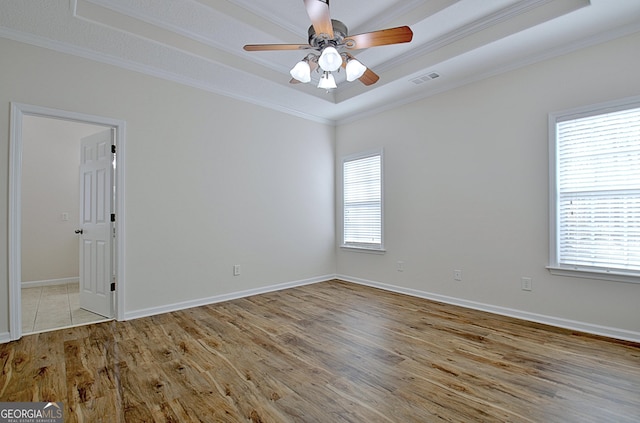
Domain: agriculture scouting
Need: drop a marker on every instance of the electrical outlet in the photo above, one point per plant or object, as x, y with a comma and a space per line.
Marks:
236, 270
457, 275
400, 266
527, 284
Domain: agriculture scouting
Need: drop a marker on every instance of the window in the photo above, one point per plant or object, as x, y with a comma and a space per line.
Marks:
362, 199
595, 191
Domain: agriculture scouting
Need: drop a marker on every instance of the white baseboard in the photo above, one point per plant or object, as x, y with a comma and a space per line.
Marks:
5, 337
47, 282
590, 328
220, 298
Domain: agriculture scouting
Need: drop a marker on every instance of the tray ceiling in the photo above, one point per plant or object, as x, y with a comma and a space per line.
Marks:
199, 43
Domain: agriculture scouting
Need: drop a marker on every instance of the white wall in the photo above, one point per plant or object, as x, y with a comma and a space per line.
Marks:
210, 181
50, 161
466, 186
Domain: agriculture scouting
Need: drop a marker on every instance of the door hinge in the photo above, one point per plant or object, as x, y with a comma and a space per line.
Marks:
113, 217
113, 286
113, 149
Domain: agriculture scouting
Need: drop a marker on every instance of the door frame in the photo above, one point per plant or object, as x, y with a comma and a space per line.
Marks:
18, 110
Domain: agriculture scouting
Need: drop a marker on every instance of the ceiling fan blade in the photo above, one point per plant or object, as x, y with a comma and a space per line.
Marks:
401, 34
318, 11
271, 47
369, 77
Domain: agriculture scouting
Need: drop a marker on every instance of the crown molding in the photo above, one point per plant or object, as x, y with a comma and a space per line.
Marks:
529, 60
466, 31
86, 53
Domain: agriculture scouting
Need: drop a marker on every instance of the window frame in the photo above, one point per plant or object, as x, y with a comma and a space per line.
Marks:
555, 267
363, 247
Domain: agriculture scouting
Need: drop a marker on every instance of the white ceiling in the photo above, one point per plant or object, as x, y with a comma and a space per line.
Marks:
199, 43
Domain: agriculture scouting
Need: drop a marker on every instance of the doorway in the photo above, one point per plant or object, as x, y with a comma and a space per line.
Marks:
45, 254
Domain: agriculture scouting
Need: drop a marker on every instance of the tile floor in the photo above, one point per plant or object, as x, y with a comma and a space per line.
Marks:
54, 307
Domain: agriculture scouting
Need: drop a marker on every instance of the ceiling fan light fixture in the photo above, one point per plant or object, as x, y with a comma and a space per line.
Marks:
355, 70
327, 81
326, 37
301, 71
330, 60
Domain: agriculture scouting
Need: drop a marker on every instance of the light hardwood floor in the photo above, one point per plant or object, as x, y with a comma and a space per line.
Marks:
328, 352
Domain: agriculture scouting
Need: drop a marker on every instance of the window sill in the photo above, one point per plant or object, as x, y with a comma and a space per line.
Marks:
615, 276
363, 249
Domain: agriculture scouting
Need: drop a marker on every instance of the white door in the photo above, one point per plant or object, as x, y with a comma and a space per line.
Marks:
96, 234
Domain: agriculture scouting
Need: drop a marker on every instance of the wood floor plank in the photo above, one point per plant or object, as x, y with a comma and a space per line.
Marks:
328, 352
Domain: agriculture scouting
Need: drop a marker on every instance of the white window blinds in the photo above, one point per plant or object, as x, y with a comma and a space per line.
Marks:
598, 192
362, 185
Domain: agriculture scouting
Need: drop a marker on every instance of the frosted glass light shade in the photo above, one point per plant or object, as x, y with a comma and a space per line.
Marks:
327, 81
301, 71
355, 70
330, 60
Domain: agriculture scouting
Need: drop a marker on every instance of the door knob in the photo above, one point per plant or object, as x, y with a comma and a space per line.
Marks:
79, 231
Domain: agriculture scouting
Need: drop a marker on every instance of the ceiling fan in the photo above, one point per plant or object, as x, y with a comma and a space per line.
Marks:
330, 43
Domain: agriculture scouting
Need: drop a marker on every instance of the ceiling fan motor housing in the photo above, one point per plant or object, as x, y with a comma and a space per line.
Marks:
320, 41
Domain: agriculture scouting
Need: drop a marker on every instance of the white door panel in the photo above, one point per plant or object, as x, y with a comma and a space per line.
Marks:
96, 190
